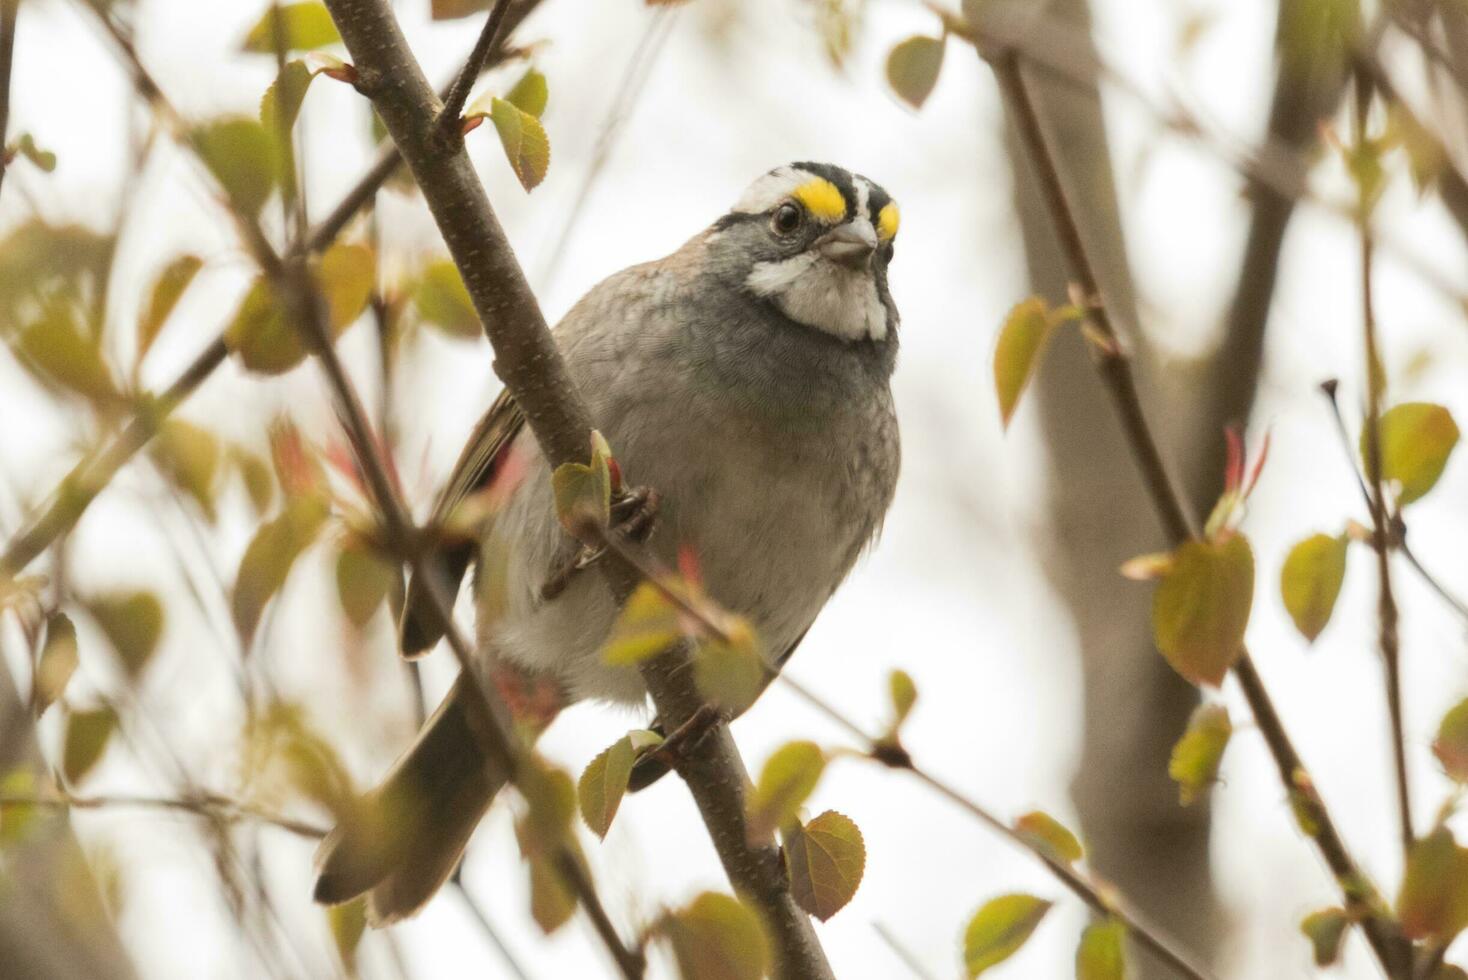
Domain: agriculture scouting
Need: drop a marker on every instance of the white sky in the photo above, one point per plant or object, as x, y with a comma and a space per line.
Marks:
952, 594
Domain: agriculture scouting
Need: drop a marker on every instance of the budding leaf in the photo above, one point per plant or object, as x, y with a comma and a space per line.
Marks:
785, 783
133, 623
1198, 754
730, 674
1433, 901
44, 160
1416, 440
345, 277
912, 68
297, 26
530, 93
999, 929
904, 695
1102, 952
826, 859
56, 664
1325, 929
87, 734
603, 784
62, 353
583, 494
1050, 837
646, 626
443, 302
716, 938
164, 296
1311, 581
526, 144
1451, 744
1021, 339
1201, 607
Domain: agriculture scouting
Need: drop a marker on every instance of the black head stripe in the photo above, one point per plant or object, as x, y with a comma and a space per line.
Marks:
841, 178
876, 201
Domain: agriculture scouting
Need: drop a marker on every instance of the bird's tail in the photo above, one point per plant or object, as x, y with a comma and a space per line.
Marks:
402, 840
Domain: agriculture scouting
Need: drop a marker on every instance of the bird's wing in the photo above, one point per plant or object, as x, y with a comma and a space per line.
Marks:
476, 469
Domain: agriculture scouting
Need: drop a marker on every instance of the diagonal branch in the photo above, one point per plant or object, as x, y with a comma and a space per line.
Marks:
530, 364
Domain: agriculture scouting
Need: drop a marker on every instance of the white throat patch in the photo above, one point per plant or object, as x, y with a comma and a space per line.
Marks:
819, 293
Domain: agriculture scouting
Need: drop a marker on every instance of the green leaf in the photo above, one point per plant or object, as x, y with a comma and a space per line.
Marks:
530, 93
526, 144
164, 296
1049, 836
189, 456
1021, 339
133, 623
552, 903
1198, 754
826, 859
255, 474
1311, 581
347, 922
44, 160
443, 302
731, 674
1433, 901
61, 353
16, 818
788, 778
603, 784
999, 929
1325, 929
292, 27
87, 733
717, 938
241, 155
551, 797
583, 494
56, 664
1416, 440
1102, 952
1451, 744
345, 276
269, 557
363, 580
904, 695
281, 103
1201, 607
912, 68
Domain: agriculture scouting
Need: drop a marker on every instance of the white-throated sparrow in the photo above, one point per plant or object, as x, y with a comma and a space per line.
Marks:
745, 377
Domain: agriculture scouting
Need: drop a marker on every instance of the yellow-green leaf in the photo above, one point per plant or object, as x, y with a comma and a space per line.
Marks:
189, 456
60, 352
1325, 929
731, 674
912, 68
583, 494
551, 797
242, 157
443, 302
1049, 836
1416, 440
133, 623
603, 784
1201, 607
347, 922
44, 160
717, 938
1311, 581
788, 778
552, 903
345, 277
255, 475
1451, 744
1021, 340
87, 734
269, 557
646, 626
999, 929
530, 93
363, 580
292, 27
281, 103
261, 335
1198, 754
526, 144
56, 663
1101, 954
1433, 901
904, 695
16, 818
826, 859
164, 296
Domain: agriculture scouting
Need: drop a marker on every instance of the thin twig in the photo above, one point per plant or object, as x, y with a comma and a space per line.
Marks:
207, 805
8, 11
458, 94
904, 955
1387, 615
1115, 371
485, 926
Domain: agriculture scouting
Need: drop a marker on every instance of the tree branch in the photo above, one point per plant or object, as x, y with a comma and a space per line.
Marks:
530, 364
1113, 365
8, 11
458, 93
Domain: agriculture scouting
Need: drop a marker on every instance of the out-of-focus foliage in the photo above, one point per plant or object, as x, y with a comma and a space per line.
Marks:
787, 779
1049, 836
1101, 954
716, 937
1198, 754
1311, 580
999, 929
1416, 440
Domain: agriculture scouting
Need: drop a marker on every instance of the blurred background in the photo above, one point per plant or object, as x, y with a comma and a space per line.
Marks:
994, 584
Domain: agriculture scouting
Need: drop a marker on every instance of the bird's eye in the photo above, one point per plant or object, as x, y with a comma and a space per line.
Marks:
787, 218
887, 252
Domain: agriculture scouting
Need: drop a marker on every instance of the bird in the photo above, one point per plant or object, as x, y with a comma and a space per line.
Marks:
746, 377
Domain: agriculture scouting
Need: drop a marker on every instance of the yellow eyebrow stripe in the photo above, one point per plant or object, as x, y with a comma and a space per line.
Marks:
887, 220
822, 199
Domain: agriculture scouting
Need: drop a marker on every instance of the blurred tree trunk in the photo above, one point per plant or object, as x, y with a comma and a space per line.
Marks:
1135, 706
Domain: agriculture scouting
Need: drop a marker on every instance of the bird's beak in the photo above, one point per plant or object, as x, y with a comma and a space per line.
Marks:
851, 244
